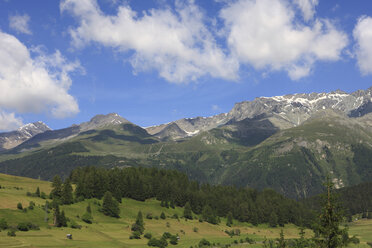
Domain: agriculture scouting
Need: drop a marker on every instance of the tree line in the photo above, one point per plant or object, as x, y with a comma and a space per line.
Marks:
174, 188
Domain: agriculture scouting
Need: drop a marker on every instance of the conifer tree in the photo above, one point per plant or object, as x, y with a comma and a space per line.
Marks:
56, 192
110, 206
37, 193
328, 233
229, 221
273, 221
187, 212
139, 225
66, 194
281, 240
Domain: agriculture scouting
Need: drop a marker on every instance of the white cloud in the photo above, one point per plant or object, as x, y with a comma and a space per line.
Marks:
8, 121
34, 84
307, 7
20, 23
363, 37
265, 34
176, 43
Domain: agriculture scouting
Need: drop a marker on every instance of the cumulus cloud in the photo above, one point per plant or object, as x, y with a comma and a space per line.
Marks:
177, 43
265, 34
34, 84
307, 7
363, 36
8, 121
20, 23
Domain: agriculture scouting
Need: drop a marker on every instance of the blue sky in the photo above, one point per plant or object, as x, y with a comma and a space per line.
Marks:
62, 62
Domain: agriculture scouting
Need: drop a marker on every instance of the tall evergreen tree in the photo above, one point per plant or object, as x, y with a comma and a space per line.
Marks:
37, 193
187, 212
56, 192
208, 215
110, 206
66, 194
328, 233
229, 221
273, 221
139, 225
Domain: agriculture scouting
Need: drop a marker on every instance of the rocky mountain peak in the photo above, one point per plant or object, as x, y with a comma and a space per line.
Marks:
31, 129
99, 121
9, 140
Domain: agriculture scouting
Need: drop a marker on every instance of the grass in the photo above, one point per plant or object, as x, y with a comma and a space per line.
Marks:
112, 232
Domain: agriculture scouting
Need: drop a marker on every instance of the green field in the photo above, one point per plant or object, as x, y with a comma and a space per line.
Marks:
111, 232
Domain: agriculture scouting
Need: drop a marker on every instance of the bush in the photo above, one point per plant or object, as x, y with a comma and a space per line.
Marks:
195, 229
87, 218
31, 205
175, 216
149, 216
157, 242
3, 224
204, 243
22, 227
162, 216
75, 225
135, 235
11, 233
167, 235
148, 235
173, 239
19, 206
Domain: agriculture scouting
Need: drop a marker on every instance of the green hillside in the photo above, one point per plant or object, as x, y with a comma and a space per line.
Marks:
293, 161
112, 232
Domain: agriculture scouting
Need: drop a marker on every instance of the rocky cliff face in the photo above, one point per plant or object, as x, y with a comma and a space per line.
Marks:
282, 111
12, 139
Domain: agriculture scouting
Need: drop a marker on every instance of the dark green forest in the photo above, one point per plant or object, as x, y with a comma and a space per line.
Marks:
173, 188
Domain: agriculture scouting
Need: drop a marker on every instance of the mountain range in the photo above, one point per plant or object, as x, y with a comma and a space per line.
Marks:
289, 143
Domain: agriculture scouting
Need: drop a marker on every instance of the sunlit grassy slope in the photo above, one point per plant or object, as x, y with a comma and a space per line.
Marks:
111, 232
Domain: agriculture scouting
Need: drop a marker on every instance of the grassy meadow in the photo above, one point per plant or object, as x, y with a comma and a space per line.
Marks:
112, 232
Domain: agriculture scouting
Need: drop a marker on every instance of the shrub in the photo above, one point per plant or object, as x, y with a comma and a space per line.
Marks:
148, 235
31, 205
3, 224
11, 233
87, 218
135, 235
149, 216
157, 242
74, 225
173, 239
195, 229
19, 206
167, 235
22, 227
204, 243
162, 216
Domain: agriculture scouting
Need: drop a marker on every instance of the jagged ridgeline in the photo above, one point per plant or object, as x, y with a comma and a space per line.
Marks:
287, 143
174, 188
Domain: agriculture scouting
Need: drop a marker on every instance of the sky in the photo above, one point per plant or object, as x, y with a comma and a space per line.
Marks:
155, 61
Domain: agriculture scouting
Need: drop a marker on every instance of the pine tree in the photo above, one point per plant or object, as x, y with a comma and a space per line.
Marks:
110, 206
89, 210
327, 232
66, 194
208, 215
62, 219
187, 212
281, 240
56, 192
273, 221
139, 225
229, 221
37, 193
